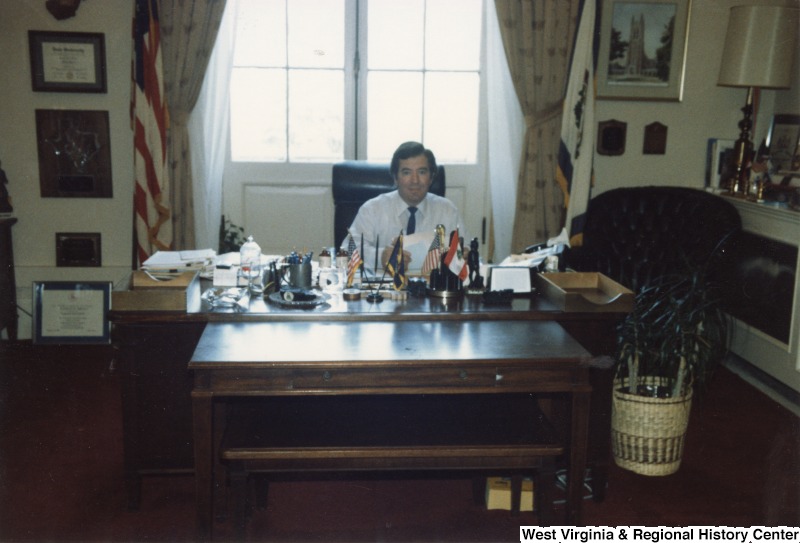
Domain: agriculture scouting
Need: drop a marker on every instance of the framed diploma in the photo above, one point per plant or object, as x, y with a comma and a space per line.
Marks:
71, 312
67, 61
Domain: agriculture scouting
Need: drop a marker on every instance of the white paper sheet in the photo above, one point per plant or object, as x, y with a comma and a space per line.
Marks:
417, 244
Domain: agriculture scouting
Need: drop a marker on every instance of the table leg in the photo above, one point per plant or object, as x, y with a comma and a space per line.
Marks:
202, 416
577, 456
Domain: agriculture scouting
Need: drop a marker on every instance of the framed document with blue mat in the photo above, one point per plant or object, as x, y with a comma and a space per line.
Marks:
71, 312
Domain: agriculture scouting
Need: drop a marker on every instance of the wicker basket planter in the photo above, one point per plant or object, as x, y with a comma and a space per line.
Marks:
647, 434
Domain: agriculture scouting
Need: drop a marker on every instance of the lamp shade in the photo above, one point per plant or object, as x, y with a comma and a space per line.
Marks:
760, 47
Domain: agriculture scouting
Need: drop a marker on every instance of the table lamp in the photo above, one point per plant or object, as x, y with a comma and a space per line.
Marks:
759, 52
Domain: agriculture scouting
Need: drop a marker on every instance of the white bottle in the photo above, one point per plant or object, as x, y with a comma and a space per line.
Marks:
250, 257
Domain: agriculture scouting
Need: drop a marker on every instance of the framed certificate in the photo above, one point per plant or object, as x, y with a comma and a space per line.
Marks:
67, 61
71, 312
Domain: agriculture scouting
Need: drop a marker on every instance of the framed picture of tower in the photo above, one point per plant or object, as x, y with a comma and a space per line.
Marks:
643, 49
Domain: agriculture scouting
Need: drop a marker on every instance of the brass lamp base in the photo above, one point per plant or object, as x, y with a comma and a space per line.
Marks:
743, 152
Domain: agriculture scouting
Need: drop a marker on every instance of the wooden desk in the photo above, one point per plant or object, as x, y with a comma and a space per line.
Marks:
154, 348
404, 357
8, 287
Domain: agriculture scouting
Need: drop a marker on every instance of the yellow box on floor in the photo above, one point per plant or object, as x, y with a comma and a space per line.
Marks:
498, 494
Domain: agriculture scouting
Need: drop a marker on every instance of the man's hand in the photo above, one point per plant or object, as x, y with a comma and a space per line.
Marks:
387, 253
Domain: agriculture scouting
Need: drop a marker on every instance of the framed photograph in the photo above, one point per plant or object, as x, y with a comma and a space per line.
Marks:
71, 312
719, 161
783, 142
643, 49
74, 153
67, 61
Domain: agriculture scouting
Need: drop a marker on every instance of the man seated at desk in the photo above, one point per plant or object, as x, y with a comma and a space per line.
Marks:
410, 208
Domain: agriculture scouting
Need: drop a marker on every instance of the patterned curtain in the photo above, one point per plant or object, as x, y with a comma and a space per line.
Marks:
188, 32
538, 37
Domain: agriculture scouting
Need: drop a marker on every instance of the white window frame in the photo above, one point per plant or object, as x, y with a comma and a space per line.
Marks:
467, 185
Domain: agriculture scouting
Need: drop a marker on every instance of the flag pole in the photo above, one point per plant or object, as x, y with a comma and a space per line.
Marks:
363, 254
375, 296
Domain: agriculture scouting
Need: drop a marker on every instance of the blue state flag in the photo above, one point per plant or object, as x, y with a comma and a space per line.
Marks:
574, 174
397, 266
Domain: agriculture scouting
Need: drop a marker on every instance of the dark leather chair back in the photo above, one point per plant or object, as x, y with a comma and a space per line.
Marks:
635, 235
355, 182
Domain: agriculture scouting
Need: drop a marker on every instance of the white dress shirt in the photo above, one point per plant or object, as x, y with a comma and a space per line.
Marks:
382, 219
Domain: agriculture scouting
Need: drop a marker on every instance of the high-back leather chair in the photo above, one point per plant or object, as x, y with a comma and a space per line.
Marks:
636, 235
355, 182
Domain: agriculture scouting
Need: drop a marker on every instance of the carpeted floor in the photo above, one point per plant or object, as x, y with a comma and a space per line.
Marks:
61, 475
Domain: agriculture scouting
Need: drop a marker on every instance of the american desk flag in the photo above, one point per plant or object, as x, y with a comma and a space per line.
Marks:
354, 263
396, 265
433, 256
149, 117
574, 173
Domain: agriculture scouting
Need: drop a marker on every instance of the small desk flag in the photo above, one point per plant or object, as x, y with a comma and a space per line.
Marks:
454, 259
355, 260
397, 266
433, 256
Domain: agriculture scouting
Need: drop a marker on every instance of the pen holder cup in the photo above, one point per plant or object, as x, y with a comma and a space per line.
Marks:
298, 275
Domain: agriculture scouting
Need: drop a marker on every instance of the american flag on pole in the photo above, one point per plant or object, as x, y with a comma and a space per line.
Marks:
433, 257
355, 260
150, 118
454, 259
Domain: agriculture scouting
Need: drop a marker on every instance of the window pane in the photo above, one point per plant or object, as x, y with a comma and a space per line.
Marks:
451, 115
258, 114
453, 35
316, 115
394, 111
316, 33
395, 34
260, 33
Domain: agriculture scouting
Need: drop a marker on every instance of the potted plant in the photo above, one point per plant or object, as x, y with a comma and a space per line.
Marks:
231, 237
669, 344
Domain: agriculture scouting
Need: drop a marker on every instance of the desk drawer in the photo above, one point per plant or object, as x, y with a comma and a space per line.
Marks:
540, 379
352, 379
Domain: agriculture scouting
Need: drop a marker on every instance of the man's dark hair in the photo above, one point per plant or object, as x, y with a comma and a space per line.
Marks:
411, 149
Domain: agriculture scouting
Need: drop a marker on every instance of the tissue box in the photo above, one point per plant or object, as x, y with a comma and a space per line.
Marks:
181, 293
498, 494
585, 292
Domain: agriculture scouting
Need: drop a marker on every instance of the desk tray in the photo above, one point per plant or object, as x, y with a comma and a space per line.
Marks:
585, 291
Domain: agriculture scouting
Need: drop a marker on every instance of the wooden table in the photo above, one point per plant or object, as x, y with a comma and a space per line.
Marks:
246, 359
154, 348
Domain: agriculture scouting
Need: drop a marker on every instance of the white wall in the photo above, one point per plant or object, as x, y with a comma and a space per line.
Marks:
40, 218
707, 111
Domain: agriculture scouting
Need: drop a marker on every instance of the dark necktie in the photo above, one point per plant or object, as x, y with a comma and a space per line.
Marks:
412, 221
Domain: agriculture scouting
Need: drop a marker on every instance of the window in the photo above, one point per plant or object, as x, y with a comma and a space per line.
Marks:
325, 80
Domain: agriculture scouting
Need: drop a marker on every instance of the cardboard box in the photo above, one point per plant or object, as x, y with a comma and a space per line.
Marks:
498, 494
181, 293
585, 292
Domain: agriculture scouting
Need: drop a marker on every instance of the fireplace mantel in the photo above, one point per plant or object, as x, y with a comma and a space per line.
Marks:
777, 357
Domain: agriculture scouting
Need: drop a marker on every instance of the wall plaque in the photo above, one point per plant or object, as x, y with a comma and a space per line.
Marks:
74, 153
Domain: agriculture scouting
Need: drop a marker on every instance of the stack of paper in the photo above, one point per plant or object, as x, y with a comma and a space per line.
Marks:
172, 262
